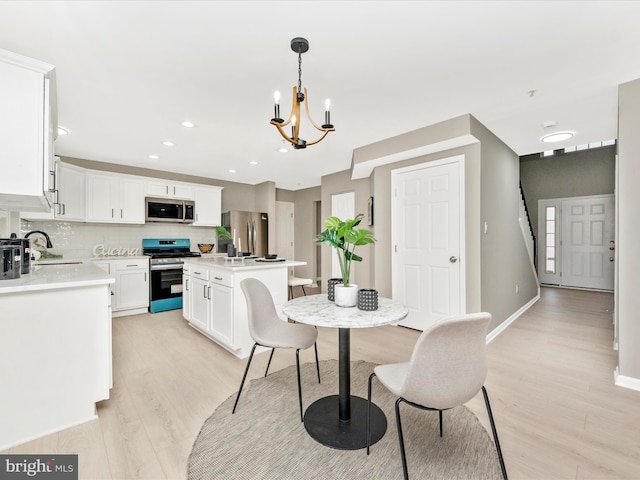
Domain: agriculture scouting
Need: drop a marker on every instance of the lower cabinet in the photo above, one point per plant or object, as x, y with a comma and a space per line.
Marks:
214, 304
130, 293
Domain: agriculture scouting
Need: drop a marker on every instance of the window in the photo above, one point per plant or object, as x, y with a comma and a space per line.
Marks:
550, 239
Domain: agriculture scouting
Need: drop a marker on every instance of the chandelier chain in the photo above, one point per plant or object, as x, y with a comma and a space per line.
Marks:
299, 72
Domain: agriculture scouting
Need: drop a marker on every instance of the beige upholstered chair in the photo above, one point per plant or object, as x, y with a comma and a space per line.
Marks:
448, 367
269, 330
298, 282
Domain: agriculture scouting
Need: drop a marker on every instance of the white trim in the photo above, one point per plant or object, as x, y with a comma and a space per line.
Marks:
626, 382
503, 326
364, 169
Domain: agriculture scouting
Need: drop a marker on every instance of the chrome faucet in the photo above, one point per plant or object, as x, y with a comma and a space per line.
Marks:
49, 244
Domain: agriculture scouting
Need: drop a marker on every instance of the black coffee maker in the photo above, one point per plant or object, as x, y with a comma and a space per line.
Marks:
25, 251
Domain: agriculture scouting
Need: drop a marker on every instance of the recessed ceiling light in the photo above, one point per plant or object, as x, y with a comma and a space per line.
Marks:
167, 143
283, 150
232, 171
253, 162
557, 137
188, 124
154, 157
62, 131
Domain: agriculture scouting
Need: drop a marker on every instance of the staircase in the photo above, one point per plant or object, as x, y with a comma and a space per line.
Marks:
527, 230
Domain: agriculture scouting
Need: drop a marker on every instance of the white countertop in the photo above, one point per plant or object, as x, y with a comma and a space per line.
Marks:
55, 274
239, 263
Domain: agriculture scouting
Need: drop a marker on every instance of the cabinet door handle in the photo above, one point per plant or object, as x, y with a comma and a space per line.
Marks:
186, 284
53, 174
134, 265
145, 277
166, 189
112, 213
218, 278
209, 294
121, 216
204, 291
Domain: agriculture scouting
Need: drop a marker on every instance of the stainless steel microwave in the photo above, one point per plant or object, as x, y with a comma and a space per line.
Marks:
169, 210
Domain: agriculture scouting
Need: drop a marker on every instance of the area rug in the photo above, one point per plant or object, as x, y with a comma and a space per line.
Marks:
265, 439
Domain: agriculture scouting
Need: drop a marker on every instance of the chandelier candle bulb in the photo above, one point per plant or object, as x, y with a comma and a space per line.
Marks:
327, 114
276, 97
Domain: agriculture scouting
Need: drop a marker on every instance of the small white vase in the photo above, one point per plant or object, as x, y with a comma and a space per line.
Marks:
346, 296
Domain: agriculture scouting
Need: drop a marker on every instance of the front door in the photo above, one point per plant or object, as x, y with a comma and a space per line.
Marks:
427, 242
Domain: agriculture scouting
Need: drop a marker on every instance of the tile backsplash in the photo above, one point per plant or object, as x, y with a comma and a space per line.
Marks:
77, 239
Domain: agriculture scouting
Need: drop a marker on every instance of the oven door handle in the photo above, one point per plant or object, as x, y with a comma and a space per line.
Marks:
168, 266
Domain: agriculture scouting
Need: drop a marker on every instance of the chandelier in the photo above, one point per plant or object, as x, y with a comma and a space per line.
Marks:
300, 46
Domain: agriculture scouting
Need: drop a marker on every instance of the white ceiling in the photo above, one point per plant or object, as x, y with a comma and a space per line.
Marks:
128, 72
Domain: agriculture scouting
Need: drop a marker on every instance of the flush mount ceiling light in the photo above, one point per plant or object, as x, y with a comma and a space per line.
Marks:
188, 124
557, 137
62, 131
167, 143
154, 157
299, 45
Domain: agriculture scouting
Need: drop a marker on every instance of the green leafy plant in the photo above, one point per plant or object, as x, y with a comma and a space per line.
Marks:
222, 232
345, 237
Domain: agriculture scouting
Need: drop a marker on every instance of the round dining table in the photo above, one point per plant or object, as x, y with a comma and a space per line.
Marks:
340, 421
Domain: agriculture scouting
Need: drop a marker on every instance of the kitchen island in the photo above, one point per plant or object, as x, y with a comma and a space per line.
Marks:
55, 349
214, 304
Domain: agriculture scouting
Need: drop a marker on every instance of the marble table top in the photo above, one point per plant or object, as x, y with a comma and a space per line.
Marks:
318, 310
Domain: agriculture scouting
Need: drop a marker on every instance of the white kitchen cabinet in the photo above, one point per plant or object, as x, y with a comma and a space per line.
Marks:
167, 189
113, 198
208, 208
28, 92
221, 322
187, 285
69, 196
130, 293
218, 307
200, 303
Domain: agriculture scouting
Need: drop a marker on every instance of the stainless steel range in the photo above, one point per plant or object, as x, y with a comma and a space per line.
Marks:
167, 257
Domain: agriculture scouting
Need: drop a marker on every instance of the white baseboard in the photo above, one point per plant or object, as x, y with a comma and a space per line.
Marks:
626, 382
503, 326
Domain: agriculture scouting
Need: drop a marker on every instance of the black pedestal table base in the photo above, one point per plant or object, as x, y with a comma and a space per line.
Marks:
324, 425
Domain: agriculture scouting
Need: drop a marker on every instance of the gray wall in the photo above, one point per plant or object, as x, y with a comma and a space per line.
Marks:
628, 221
505, 261
573, 174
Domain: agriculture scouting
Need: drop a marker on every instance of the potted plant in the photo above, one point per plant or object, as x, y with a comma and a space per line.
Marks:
222, 232
345, 237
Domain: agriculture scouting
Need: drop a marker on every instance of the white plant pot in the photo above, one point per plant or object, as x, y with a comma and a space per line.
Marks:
346, 296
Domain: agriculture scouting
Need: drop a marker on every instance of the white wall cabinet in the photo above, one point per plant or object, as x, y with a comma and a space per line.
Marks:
113, 198
27, 90
208, 206
130, 293
164, 188
69, 196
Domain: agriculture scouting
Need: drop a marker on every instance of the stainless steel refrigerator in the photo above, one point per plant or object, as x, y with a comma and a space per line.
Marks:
250, 231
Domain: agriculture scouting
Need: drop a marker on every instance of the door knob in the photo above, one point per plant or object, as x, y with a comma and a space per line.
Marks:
453, 259
611, 259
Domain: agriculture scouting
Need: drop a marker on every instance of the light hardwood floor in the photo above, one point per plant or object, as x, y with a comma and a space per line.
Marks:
550, 382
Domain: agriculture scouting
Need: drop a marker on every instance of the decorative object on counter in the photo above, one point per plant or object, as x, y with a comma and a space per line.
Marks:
223, 233
345, 237
300, 45
331, 283
100, 250
206, 247
367, 299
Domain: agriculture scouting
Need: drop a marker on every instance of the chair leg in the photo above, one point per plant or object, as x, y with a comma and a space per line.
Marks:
304, 291
401, 440
299, 383
315, 346
440, 416
495, 433
369, 412
269, 362
290, 292
244, 377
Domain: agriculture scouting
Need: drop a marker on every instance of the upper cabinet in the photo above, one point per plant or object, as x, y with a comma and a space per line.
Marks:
114, 198
165, 188
208, 206
69, 195
28, 126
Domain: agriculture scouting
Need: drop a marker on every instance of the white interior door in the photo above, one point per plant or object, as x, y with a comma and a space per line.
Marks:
343, 206
285, 232
427, 241
588, 242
